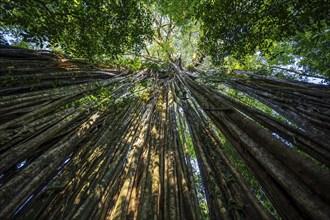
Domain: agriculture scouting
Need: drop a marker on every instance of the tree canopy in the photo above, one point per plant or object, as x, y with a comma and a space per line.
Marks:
238, 28
81, 28
220, 30
126, 109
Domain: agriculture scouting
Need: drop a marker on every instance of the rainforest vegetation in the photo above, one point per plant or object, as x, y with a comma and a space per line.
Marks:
168, 109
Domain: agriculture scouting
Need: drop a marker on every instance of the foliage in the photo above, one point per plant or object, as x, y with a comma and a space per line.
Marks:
306, 53
133, 63
238, 27
179, 11
253, 35
315, 54
81, 28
